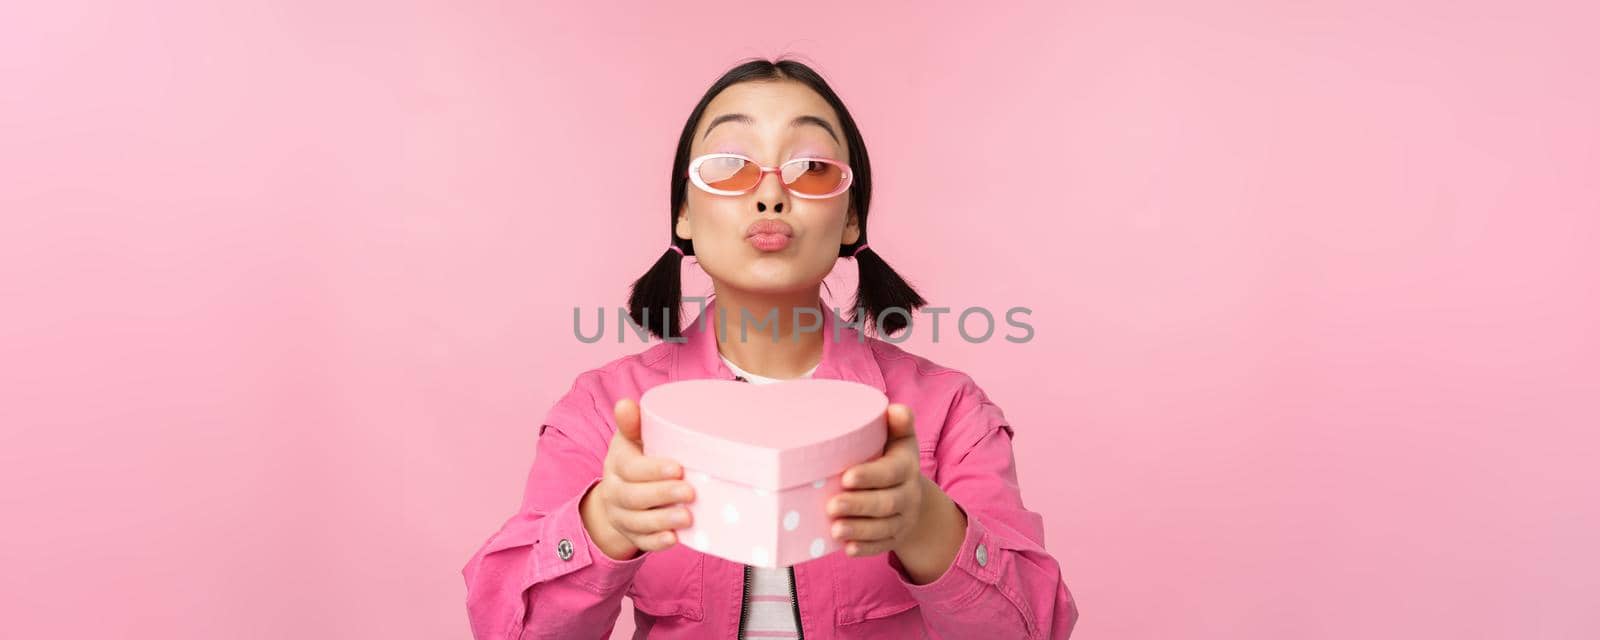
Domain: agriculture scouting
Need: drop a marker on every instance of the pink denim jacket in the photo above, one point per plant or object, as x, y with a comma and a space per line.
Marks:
540, 576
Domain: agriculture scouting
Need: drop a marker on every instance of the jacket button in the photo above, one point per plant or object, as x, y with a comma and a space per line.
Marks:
982, 553
564, 549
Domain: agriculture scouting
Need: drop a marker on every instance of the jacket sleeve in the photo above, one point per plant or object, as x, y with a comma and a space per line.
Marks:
540, 575
1002, 584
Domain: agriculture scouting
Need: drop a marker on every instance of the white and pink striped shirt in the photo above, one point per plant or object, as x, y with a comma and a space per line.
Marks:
770, 605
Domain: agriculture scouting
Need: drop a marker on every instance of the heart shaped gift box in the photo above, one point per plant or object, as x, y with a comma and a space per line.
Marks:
763, 459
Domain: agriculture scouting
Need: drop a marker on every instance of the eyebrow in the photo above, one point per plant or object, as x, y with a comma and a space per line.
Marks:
797, 122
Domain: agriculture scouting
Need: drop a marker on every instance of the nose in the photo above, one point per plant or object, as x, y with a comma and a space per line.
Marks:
770, 192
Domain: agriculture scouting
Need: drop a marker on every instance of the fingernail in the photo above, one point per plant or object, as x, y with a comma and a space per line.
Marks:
669, 469
681, 493
838, 531
849, 480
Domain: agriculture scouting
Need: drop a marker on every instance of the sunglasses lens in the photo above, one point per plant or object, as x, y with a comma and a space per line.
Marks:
812, 178
729, 174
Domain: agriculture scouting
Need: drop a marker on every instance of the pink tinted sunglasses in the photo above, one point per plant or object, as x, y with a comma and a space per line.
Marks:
731, 174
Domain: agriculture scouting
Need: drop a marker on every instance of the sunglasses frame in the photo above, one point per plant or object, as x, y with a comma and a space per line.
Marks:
693, 175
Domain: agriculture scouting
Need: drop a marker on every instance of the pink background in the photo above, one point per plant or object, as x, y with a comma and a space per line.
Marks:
288, 285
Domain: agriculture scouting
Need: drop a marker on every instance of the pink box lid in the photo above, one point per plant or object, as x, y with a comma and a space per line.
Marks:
770, 436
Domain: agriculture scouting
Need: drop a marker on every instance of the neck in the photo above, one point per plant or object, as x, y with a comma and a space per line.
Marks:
772, 346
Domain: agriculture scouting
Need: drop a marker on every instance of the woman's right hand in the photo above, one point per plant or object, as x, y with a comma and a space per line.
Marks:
639, 500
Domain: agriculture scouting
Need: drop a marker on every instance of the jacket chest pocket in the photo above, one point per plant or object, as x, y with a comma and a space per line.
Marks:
869, 596
871, 601
671, 582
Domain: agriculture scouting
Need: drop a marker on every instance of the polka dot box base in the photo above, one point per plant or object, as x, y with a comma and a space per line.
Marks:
759, 527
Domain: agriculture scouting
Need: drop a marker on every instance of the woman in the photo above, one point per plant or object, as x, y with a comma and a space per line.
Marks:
936, 539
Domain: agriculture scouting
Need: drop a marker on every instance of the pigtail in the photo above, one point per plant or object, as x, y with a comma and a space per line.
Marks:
659, 293
880, 288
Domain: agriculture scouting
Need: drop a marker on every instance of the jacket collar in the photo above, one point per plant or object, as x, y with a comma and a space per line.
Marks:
846, 354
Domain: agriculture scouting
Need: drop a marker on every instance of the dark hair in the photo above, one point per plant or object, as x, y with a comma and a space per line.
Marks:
660, 290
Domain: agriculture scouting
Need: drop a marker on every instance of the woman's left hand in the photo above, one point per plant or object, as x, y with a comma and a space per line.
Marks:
882, 503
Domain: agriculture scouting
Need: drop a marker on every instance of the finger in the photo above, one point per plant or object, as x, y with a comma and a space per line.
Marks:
870, 503
621, 448
651, 521
656, 541
860, 549
889, 470
866, 529
901, 422
626, 411
643, 468
639, 496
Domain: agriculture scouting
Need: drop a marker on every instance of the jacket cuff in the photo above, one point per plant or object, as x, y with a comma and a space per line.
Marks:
564, 547
966, 577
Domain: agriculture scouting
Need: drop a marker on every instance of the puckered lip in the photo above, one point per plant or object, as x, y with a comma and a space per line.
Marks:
769, 225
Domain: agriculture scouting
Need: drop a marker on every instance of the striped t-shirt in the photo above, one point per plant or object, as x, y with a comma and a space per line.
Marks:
771, 607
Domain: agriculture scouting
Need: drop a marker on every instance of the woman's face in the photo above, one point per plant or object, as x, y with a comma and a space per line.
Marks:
720, 225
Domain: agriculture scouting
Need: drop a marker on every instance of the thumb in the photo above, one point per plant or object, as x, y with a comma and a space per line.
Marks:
627, 414
900, 422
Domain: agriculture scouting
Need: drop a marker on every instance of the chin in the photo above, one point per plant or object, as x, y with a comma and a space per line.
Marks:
787, 283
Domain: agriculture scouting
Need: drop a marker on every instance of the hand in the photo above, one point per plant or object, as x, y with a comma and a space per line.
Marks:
639, 499
882, 504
